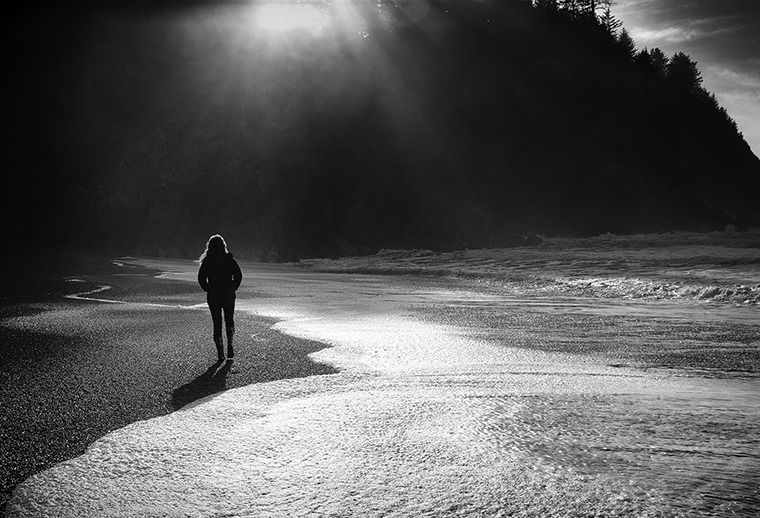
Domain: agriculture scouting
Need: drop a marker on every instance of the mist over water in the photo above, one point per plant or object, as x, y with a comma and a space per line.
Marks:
460, 394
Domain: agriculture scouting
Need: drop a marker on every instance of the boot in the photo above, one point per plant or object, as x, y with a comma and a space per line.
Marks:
230, 335
219, 348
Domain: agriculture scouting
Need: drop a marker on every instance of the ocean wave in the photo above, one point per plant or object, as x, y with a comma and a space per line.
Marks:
627, 288
721, 268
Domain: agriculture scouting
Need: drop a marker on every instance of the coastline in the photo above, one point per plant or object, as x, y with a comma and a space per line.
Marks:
74, 370
534, 374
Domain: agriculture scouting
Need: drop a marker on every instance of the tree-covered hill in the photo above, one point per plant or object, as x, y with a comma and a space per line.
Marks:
424, 123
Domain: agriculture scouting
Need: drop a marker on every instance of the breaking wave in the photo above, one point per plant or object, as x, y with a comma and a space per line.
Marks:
626, 288
721, 268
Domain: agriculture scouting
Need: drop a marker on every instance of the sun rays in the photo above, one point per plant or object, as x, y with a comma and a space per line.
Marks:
280, 18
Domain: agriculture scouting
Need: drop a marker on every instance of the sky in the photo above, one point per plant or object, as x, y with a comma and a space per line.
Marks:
722, 36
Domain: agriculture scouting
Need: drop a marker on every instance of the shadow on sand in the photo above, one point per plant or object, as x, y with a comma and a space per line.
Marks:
210, 382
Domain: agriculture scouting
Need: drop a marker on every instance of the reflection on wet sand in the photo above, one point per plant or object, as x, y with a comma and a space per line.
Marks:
452, 398
647, 393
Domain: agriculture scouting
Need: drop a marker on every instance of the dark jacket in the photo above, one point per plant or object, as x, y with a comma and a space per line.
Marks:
220, 277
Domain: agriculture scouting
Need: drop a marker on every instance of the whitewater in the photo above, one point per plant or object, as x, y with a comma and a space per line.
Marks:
613, 376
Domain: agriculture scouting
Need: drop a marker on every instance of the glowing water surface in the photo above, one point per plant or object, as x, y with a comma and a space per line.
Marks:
452, 400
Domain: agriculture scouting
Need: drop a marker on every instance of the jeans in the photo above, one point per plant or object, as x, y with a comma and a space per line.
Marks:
218, 304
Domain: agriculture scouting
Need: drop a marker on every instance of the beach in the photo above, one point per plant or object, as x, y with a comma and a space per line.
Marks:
585, 378
77, 369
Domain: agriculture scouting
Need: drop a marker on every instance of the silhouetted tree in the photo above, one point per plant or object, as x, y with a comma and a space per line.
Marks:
552, 122
683, 77
571, 7
546, 6
659, 62
643, 61
609, 22
721, 112
626, 45
590, 8
651, 68
584, 9
644, 67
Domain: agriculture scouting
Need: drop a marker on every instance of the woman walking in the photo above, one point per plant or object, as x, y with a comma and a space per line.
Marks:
219, 275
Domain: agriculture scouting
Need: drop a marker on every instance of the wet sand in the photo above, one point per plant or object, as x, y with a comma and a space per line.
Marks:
573, 406
71, 371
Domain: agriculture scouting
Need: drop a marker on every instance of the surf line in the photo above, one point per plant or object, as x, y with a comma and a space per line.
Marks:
100, 289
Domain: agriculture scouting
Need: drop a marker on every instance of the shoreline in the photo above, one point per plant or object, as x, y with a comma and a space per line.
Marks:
75, 370
569, 387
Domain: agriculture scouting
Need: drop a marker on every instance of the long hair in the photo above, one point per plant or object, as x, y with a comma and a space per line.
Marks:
216, 248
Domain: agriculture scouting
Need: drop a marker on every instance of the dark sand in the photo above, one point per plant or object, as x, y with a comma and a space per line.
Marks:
72, 371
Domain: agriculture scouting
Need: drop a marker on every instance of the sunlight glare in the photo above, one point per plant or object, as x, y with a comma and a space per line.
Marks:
282, 17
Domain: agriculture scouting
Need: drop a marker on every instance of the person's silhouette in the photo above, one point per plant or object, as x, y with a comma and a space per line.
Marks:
219, 275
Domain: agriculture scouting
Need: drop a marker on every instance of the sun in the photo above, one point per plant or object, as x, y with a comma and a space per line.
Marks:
287, 16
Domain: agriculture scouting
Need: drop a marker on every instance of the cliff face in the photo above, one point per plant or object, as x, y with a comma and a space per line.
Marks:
422, 124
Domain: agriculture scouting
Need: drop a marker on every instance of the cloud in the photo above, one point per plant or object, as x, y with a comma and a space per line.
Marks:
687, 30
631, 7
655, 37
735, 78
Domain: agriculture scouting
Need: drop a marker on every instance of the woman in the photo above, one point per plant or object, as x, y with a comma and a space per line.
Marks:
219, 275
